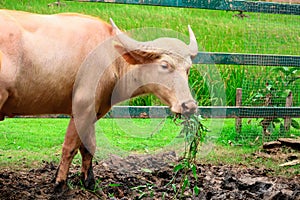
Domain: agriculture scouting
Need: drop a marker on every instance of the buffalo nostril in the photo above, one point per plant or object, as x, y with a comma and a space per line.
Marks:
184, 106
189, 107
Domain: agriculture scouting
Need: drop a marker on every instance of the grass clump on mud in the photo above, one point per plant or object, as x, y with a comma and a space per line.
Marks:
194, 132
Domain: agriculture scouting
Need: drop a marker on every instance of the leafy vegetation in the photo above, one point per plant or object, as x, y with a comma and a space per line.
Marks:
277, 90
194, 132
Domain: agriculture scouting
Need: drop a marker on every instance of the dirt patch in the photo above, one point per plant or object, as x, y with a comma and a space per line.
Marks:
146, 177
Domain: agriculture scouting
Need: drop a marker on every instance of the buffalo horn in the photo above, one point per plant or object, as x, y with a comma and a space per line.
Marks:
129, 43
193, 46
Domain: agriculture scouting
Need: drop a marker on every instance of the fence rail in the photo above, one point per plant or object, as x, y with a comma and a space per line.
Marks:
246, 6
205, 111
247, 59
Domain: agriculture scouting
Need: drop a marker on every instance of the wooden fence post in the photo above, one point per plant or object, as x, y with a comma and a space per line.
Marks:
238, 102
288, 103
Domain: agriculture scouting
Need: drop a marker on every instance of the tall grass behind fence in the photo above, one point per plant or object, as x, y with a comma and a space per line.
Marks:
271, 34
270, 86
258, 33
283, 39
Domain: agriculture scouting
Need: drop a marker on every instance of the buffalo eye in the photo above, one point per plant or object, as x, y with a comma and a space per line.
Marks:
165, 65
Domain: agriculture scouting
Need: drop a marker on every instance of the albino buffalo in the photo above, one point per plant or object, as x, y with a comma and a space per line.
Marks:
81, 66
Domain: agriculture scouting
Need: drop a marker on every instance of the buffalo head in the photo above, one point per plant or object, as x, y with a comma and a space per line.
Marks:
160, 67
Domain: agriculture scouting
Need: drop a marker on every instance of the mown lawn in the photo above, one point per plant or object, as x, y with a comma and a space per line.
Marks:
26, 143
26, 140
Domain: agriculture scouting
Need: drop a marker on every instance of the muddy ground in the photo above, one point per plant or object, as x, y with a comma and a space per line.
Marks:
147, 177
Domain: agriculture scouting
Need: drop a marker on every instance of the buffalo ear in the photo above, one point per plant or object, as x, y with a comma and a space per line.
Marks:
136, 56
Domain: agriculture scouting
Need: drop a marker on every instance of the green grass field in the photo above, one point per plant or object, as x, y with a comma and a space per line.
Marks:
26, 142
217, 31
42, 138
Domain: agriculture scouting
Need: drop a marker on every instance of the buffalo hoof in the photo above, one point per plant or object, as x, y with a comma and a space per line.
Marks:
89, 183
60, 187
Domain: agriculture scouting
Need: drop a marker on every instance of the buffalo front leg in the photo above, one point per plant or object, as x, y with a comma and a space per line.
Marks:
70, 148
87, 151
87, 175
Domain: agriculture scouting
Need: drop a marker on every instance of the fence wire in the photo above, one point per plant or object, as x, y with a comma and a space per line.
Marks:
271, 86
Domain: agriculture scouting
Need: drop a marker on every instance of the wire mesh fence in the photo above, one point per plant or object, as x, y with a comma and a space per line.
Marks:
272, 86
